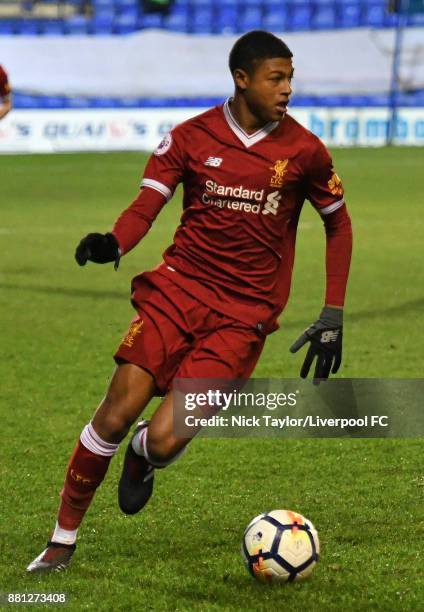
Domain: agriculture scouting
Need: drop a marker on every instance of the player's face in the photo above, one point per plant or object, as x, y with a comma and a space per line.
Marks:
268, 88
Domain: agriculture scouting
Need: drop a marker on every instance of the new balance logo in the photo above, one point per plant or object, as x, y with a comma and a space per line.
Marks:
329, 336
272, 203
213, 161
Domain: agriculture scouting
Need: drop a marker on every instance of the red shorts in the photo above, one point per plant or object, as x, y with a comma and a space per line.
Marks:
176, 336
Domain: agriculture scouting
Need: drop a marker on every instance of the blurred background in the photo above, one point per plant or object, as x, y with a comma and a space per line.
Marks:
118, 74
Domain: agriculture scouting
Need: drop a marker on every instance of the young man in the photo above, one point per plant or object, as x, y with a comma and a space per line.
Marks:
246, 168
5, 94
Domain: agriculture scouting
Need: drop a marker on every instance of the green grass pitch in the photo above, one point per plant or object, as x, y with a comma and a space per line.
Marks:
60, 325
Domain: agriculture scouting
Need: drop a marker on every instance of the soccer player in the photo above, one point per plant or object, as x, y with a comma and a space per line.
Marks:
5, 93
246, 167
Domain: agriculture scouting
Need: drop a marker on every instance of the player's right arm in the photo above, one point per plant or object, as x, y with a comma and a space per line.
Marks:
163, 172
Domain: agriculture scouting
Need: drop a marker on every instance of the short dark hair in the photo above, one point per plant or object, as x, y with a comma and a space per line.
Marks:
255, 46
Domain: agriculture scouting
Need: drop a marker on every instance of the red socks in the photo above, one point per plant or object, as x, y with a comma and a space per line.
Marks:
86, 470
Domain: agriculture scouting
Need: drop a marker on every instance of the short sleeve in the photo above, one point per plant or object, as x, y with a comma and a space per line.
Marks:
324, 188
165, 168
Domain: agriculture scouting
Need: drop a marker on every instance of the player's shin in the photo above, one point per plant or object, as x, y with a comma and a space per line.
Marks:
86, 470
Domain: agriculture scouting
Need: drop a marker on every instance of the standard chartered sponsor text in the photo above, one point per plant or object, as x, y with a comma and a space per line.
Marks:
234, 192
248, 199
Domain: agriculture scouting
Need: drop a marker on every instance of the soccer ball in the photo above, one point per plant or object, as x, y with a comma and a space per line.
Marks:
280, 546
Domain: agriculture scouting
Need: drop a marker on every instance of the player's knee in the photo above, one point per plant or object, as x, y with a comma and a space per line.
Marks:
116, 425
112, 420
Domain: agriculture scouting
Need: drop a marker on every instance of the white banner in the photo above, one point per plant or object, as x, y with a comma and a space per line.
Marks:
154, 63
48, 131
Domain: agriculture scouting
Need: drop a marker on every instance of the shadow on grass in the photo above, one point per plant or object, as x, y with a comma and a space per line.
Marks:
76, 292
360, 315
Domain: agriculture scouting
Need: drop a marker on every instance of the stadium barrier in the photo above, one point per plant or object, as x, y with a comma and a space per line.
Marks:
47, 131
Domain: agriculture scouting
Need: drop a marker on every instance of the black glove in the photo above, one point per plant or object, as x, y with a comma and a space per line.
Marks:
325, 336
100, 248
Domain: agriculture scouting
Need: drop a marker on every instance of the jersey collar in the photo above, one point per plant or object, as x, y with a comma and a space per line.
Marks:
247, 139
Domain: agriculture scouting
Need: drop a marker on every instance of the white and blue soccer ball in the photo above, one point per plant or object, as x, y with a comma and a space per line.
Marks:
280, 546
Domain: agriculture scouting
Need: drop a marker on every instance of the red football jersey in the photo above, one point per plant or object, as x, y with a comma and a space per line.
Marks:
243, 194
4, 83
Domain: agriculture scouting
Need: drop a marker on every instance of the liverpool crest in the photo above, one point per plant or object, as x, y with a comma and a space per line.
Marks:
280, 168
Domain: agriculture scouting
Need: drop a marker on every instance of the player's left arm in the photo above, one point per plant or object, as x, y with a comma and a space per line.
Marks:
325, 191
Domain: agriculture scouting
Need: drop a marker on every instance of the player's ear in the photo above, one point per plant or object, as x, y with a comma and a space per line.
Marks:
241, 78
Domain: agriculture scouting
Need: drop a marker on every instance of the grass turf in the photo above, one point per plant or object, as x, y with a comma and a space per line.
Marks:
60, 325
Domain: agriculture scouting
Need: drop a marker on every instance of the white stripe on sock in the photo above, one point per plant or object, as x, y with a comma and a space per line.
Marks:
93, 442
64, 536
143, 443
137, 444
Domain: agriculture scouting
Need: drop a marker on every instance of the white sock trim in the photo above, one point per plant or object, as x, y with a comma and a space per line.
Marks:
137, 444
93, 442
143, 442
64, 536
